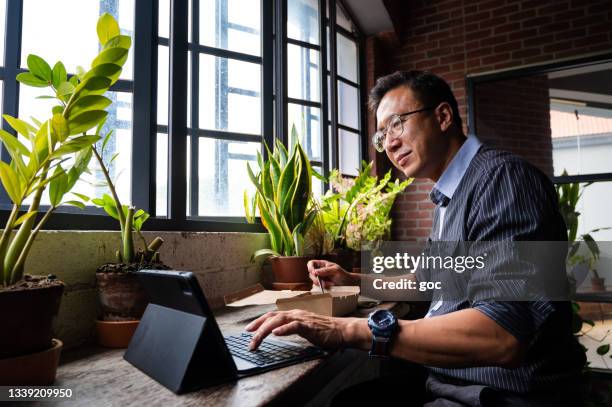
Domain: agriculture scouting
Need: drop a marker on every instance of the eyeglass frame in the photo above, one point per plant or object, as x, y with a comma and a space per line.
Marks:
400, 116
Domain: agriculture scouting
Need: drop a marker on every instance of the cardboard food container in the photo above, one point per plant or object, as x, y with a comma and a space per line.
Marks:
337, 301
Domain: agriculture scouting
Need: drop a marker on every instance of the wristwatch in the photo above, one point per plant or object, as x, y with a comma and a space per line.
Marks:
383, 325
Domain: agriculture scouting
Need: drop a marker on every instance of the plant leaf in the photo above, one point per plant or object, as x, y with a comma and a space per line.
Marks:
28, 79
86, 120
11, 183
107, 28
64, 89
25, 217
58, 187
39, 68
88, 103
74, 145
78, 204
60, 126
83, 197
603, 349
59, 74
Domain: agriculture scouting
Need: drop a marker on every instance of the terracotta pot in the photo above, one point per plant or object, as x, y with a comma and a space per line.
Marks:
290, 269
598, 284
122, 296
35, 369
26, 317
115, 334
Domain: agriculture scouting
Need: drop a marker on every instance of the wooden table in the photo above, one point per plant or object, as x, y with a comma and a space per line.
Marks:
101, 377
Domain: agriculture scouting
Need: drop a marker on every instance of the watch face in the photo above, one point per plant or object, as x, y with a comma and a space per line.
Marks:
383, 319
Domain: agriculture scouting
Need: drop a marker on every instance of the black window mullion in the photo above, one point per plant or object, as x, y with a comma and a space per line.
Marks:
194, 189
333, 72
323, 86
267, 69
177, 116
144, 105
362, 75
281, 71
12, 60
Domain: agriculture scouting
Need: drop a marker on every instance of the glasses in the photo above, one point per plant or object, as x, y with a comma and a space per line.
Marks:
395, 128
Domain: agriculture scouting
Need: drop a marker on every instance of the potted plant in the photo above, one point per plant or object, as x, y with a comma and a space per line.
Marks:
569, 195
121, 296
356, 212
52, 158
283, 197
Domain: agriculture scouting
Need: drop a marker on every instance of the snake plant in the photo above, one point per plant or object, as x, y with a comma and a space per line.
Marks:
36, 163
283, 197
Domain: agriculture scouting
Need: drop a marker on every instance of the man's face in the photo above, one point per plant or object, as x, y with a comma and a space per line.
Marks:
420, 151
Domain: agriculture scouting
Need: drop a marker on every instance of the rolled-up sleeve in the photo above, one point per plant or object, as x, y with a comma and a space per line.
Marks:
514, 204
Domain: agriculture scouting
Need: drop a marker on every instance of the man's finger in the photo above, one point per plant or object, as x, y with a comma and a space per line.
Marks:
253, 325
326, 271
265, 329
291, 328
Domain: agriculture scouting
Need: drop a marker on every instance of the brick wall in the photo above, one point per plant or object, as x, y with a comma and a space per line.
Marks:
455, 38
514, 115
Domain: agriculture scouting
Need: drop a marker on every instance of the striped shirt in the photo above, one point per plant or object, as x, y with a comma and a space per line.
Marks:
490, 195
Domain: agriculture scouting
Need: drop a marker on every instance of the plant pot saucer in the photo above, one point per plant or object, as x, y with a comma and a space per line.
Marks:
35, 369
115, 334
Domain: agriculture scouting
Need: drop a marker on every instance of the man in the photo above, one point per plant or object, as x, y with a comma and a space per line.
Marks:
476, 352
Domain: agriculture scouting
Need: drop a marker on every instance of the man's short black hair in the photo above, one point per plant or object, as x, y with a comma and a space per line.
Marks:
430, 89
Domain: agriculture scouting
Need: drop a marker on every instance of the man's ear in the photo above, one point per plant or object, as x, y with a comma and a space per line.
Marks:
445, 116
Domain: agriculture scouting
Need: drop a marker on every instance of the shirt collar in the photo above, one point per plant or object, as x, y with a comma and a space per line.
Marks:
452, 175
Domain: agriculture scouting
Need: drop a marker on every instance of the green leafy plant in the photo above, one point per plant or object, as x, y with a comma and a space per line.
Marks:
569, 194
130, 219
36, 163
356, 211
283, 197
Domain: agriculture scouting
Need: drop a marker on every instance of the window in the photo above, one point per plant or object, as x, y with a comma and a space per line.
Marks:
199, 95
41, 35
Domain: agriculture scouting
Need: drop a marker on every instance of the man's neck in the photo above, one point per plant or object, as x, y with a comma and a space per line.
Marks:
455, 143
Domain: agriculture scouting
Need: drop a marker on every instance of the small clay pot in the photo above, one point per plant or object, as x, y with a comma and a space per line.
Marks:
115, 334
122, 296
35, 369
290, 269
598, 284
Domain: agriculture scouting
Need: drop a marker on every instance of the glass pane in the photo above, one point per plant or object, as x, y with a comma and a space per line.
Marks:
231, 24
594, 208
348, 105
347, 58
161, 175
303, 20
2, 29
229, 95
317, 184
306, 122
343, 20
47, 34
303, 73
119, 120
222, 176
581, 138
163, 77
163, 24
350, 157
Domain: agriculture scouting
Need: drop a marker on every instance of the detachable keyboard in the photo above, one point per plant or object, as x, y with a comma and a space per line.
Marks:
268, 352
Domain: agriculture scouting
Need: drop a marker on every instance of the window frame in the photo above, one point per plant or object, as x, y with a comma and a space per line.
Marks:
143, 87
532, 70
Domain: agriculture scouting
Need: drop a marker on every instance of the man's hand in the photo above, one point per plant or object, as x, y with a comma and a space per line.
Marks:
330, 273
326, 332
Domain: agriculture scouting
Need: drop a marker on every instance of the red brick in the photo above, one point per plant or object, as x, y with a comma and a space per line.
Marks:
510, 46
493, 22
525, 53
541, 40
536, 22
522, 15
